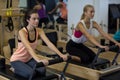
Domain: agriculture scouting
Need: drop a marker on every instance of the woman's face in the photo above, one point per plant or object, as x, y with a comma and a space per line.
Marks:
34, 20
90, 13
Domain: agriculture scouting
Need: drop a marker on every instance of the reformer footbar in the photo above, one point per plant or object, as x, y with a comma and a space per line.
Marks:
114, 61
116, 74
100, 50
9, 13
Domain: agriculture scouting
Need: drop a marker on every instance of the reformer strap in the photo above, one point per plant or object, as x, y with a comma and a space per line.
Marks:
9, 13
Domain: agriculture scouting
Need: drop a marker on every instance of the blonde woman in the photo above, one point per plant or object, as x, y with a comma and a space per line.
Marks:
82, 33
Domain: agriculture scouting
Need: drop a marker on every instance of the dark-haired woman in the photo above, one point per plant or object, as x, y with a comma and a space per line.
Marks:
24, 58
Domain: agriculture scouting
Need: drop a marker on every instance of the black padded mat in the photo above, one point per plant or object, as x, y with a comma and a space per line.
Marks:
112, 76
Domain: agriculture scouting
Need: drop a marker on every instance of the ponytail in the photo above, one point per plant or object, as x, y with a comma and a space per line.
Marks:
82, 17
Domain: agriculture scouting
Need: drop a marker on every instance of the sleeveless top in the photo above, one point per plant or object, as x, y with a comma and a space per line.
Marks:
63, 11
78, 37
21, 53
42, 12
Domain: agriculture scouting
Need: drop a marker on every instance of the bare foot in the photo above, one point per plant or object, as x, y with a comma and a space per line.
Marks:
76, 58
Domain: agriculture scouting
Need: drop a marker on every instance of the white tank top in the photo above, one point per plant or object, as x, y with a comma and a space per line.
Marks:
82, 38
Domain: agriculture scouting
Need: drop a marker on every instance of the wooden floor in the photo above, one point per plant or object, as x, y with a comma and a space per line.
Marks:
3, 78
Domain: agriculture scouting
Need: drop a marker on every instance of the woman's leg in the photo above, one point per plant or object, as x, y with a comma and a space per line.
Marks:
39, 71
79, 54
82, 52
68, 49
22, 69
43, 20
60, 20
76, 58
88, 52
72, 51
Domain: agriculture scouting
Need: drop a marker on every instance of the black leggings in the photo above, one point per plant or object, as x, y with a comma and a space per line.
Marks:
43, 20
86, 55
61, 20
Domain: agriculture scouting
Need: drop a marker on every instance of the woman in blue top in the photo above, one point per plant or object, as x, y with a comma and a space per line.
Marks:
117, 36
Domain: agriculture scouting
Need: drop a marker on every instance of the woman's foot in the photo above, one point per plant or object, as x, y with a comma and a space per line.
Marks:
75, 58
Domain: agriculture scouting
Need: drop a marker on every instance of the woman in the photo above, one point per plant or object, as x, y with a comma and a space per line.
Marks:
82, 33
117, 36
24, 58
63, 12
42, 13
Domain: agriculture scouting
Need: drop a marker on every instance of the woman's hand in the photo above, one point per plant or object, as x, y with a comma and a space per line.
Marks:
105, 47
118, 44
45, 61
65, 57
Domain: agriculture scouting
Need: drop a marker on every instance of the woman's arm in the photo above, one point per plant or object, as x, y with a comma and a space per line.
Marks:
88, 36
53, 10
38, 7
50, 45
103, 33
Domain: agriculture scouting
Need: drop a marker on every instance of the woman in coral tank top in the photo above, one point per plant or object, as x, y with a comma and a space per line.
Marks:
24, 58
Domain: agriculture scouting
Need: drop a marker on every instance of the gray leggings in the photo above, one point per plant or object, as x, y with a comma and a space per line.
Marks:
26, 69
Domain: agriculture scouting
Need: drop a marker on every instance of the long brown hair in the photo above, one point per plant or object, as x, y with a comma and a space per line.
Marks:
85, 10
28, 15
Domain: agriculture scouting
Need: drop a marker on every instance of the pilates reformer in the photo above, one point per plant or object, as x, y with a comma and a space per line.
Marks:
7, 73
99, 68
81, 71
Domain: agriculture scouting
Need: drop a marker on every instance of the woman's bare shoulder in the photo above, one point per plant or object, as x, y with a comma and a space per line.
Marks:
79, 24
22, 30
39, 29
